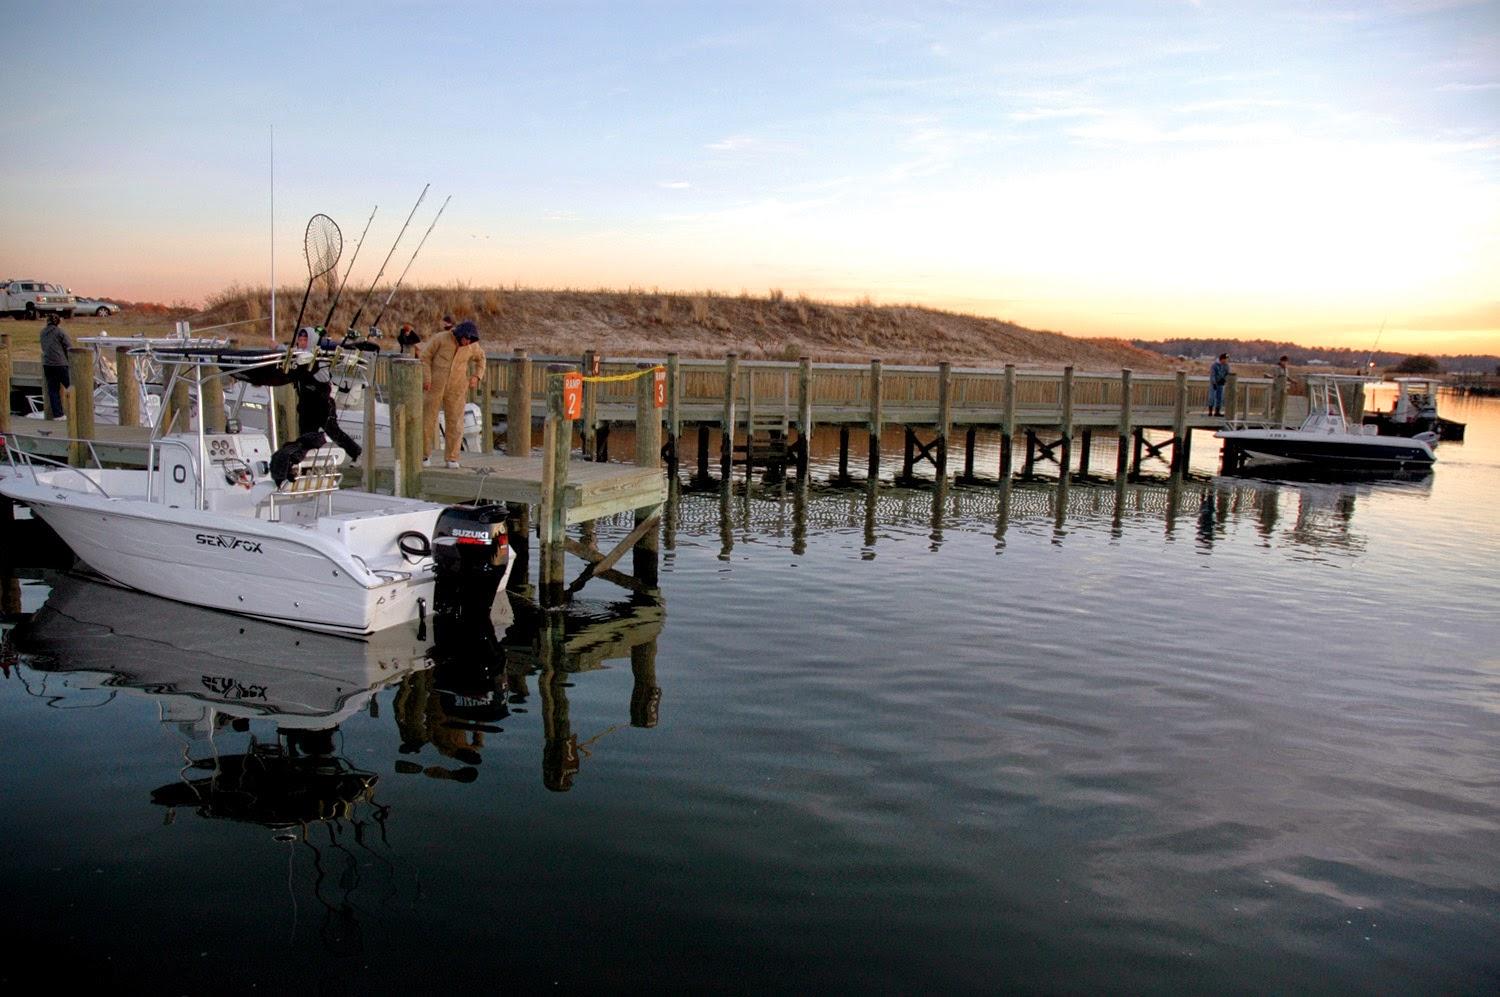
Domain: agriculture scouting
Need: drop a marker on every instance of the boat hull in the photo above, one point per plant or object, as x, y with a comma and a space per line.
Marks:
1333, 450
1446, 429
272, 571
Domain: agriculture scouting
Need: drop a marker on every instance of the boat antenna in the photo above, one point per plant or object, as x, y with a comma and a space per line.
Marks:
335, 303
396, 286
273, 233
1370, 359
354, 322
322, 245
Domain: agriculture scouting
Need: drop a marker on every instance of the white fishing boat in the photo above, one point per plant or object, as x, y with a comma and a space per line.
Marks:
1327, 438
220, 521
1412, 410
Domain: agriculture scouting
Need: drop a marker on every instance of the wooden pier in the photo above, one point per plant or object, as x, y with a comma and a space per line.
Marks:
716, 416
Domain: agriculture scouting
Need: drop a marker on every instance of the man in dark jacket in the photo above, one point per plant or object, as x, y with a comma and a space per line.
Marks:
316, 410
55, 346
1218, 376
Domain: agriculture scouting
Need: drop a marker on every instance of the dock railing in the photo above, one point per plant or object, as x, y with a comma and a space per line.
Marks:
843, 393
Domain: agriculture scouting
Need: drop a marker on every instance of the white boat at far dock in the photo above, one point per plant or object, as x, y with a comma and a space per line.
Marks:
1326, 439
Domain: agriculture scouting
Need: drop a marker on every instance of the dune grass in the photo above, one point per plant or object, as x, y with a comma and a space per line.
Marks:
636, 322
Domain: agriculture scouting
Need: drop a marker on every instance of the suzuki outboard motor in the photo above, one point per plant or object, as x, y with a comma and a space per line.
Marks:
470, 553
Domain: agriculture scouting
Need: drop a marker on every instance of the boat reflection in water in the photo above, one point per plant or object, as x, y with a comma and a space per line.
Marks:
212, 673
259, 708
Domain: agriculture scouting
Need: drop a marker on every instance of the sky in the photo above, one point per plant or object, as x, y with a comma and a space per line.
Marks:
1320, 172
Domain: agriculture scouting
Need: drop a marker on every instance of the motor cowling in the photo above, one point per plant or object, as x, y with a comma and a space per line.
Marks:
470, 551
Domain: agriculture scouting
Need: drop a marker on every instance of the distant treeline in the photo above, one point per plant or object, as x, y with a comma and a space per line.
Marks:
1267, 351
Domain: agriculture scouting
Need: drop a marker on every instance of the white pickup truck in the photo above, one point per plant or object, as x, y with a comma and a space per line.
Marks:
31, 299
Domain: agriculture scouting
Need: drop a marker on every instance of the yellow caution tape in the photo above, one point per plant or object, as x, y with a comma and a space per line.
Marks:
601, 378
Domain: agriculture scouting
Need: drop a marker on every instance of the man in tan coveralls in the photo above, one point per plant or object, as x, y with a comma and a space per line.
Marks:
451, 366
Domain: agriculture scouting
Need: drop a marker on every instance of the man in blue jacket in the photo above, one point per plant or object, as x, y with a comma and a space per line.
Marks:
1218, 376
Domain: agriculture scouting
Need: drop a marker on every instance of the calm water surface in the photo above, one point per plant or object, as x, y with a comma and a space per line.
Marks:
1231, 736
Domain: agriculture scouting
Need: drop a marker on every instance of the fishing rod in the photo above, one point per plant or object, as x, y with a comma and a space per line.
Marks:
396, 286
354, 322
1370, 358
336, 294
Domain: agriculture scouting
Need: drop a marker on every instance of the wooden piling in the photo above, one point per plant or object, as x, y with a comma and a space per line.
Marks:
877, 420
1085, 445
398, 444
284, 397
674, 411
1277, 413
645, 693
81, 408
406, 399
518, 406
970, 436
212, 387
557, 439
182, 404
646, 552
487, 408
367, 458
843, 475
726, 438
945, 417
702, 478
1231, 396
127, 387
1008, 421
590, 414
804, 415
1065, 462
518, 526
1122, 457
1179, 424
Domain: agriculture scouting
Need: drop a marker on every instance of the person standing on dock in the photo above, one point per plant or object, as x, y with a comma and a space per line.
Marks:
451, 367
55, 346
1218, 376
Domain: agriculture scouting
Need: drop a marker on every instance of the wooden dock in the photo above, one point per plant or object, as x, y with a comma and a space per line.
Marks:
745, 415
592, 490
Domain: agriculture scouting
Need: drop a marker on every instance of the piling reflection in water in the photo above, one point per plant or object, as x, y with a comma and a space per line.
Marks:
1310, 513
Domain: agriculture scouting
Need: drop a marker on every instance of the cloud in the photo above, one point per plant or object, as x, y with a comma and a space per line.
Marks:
1467, 87
673, 184
1053, 113
732, 143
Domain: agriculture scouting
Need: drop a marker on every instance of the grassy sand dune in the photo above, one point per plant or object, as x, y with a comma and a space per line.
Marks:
650, 324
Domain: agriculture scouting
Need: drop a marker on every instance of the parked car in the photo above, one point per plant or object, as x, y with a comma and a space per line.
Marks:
30, 299
94, 306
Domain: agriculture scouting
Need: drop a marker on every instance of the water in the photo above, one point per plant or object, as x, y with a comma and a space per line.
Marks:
1234, 736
